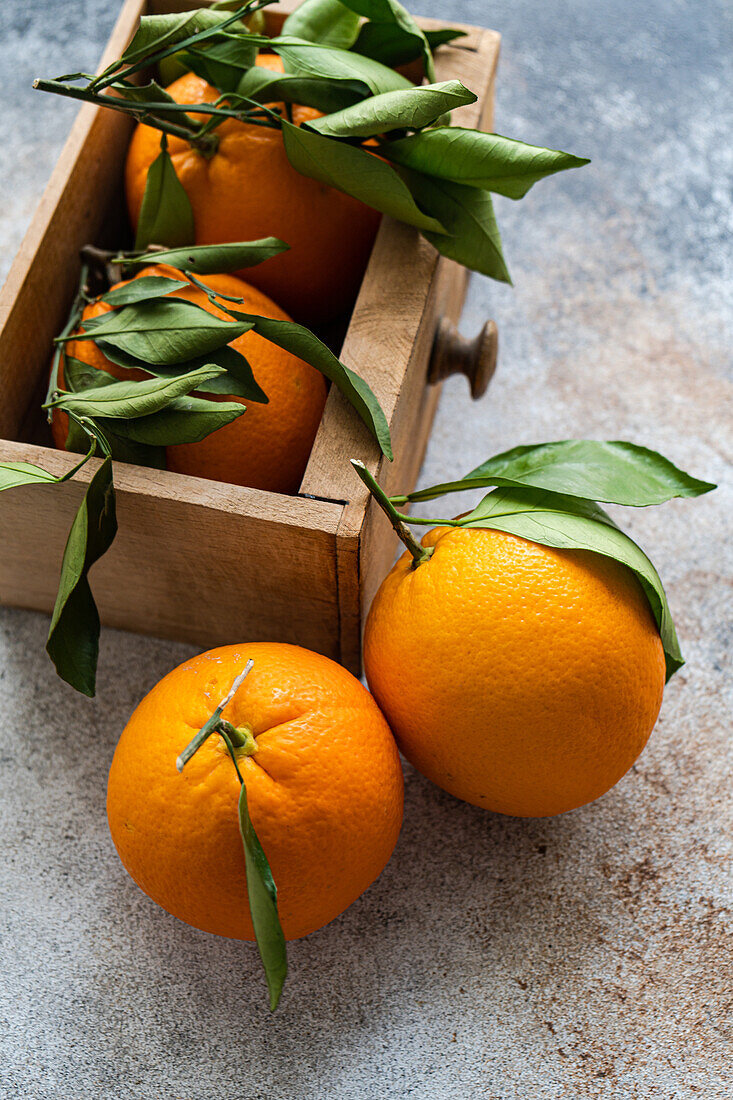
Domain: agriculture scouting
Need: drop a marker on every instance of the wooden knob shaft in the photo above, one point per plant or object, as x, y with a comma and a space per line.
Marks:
454, 354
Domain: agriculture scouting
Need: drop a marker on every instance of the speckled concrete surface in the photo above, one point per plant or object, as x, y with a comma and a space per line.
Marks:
584, 956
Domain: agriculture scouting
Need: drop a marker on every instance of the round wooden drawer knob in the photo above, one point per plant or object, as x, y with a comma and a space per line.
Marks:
454, 354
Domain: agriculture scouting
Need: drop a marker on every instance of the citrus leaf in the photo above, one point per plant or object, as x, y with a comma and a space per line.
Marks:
391, 35
262, 895
79, 376
158, 32
327, 22
14, 474
476, 159
305, 345
214, 259
222, 63
122, 400
409, 109
142, 93
614, 472
355, 172
142, 290
73, 639
569, 523
471, 234
324, 93
166, 216
163, 331
308, 59
237, 381
127, 450
444, 35
183, 420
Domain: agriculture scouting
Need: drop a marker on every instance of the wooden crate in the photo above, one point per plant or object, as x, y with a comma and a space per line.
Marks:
198, 560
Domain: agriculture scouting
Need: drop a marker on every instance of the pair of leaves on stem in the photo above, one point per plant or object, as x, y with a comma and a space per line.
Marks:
547, 493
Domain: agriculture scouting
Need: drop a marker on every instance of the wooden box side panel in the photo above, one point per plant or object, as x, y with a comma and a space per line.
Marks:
406, 292
193, 560
73, 209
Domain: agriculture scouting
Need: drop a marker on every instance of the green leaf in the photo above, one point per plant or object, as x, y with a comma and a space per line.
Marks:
73, 640
183, 420
471, 234
307, 59
142, 93
238, 381
614, 472
142, 290
79, 376
476, 159
222, 63
409, 109
391, 35
166, 216
163, 331
569, 523
122, 400
443, 36
327, 22
305, 345
355, 172
13, 474
324, 93
262, 895
129, 451
214, 259
158, 32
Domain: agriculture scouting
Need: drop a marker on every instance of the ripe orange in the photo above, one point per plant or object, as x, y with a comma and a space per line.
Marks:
267, 447
324, 789
520, 678
248, 189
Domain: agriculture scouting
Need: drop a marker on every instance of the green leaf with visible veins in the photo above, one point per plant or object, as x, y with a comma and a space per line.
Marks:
123, 400
158, 32
183, 420
391, 35
14, 474
324, 93
327, 22
307, 59
409, 109
165, 216
144, 289
355, 172
475, 159
236, 379
163, 331
262, 896
472, 236
73, 640
214, 259
613, 472
569, 523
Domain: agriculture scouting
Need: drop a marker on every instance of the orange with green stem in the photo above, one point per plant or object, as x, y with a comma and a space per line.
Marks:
318, 777
518, 673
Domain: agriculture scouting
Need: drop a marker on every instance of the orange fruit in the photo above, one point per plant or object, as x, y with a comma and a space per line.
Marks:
248, 189
520, 678
324, 789
267, 447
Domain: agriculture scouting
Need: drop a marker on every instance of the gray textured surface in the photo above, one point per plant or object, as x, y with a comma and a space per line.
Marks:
584, 956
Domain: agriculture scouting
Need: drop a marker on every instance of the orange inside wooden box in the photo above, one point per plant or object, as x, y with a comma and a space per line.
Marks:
202, 561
